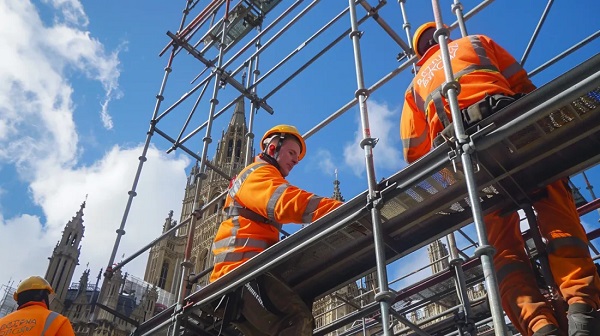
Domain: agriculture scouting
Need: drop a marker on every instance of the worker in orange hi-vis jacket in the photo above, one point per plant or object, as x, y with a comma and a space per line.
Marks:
490, 78
33, 318
259, 201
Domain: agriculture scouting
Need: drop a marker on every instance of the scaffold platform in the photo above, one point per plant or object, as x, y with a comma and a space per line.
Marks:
552, 133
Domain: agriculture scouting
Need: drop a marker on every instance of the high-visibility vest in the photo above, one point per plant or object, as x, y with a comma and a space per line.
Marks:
34, 319
480, 66
261, 189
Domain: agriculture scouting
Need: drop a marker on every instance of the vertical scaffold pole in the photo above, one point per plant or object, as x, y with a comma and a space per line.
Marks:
186, 264
467, 325
253, 105
384, 296
132, 193
457, 8
406, 24
464, 149
456, 262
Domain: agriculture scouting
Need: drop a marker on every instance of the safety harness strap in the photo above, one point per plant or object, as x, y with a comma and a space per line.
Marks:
237, 210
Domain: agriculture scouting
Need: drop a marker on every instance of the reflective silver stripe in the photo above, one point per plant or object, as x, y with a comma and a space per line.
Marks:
479, 50
457, 76
273, 201
237, 184
557, 243
414, 142
512, 69
234, 256
312, 205
236, 225
473, 68
51, 317
233, 242
507, 269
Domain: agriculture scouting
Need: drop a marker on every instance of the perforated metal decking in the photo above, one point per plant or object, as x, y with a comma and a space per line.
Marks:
553, 132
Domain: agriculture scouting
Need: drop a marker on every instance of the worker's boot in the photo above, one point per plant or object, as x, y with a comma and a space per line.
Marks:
583, 320
549, 330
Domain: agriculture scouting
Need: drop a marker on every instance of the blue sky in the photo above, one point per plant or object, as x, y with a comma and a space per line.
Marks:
79, 83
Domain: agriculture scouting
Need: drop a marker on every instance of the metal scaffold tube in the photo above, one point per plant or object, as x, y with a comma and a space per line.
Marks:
384, 296
457, 8
132, 193
463, 150
186, 264
466, 323
254, 62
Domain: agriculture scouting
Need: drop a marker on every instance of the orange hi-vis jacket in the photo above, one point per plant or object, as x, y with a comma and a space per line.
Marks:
262, 189
34, 319
480, 66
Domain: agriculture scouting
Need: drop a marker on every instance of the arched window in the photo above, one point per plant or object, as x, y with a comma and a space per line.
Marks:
162, 280
238, 148
229, 148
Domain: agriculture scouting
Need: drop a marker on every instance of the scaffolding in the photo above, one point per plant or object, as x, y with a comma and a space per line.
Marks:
7, 303
496, 167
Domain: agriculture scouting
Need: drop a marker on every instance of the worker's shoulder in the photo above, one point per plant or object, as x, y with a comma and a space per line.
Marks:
481, 37
261, 166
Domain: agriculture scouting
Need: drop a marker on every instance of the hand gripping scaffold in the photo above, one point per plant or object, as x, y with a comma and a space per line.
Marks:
552, 133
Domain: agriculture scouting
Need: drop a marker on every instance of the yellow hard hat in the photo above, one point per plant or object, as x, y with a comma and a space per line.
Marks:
284, 129
33, 282
419, 34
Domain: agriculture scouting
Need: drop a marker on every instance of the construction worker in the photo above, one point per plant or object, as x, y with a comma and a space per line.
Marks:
490, 78
33, 316
260, 200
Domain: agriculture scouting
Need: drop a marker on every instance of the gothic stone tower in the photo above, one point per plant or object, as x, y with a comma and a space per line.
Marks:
65, 258
165, 258
162, 269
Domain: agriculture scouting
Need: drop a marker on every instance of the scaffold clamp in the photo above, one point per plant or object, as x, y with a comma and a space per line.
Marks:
368, 141
387, 296
447, 86
375, 201
484, 250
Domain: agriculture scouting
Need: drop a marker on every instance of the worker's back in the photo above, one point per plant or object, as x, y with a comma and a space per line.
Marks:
34, 318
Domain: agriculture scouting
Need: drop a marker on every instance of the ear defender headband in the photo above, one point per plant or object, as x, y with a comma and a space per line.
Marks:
271, 147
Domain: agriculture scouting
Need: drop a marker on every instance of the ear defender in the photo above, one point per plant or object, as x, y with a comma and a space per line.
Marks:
271, 148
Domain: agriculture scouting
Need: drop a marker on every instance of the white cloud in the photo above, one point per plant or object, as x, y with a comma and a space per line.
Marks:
387, 154
325, 161
61, 191
71, 10
38, 135
36, 106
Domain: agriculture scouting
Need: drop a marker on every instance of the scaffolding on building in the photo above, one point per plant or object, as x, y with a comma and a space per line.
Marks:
496, 166
7, 303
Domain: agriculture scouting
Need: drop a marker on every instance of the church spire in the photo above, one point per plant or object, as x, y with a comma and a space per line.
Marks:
65, 258
239, 117
232, 146
337, 194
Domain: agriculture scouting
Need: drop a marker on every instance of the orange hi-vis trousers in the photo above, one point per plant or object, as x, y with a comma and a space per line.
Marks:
570, 263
